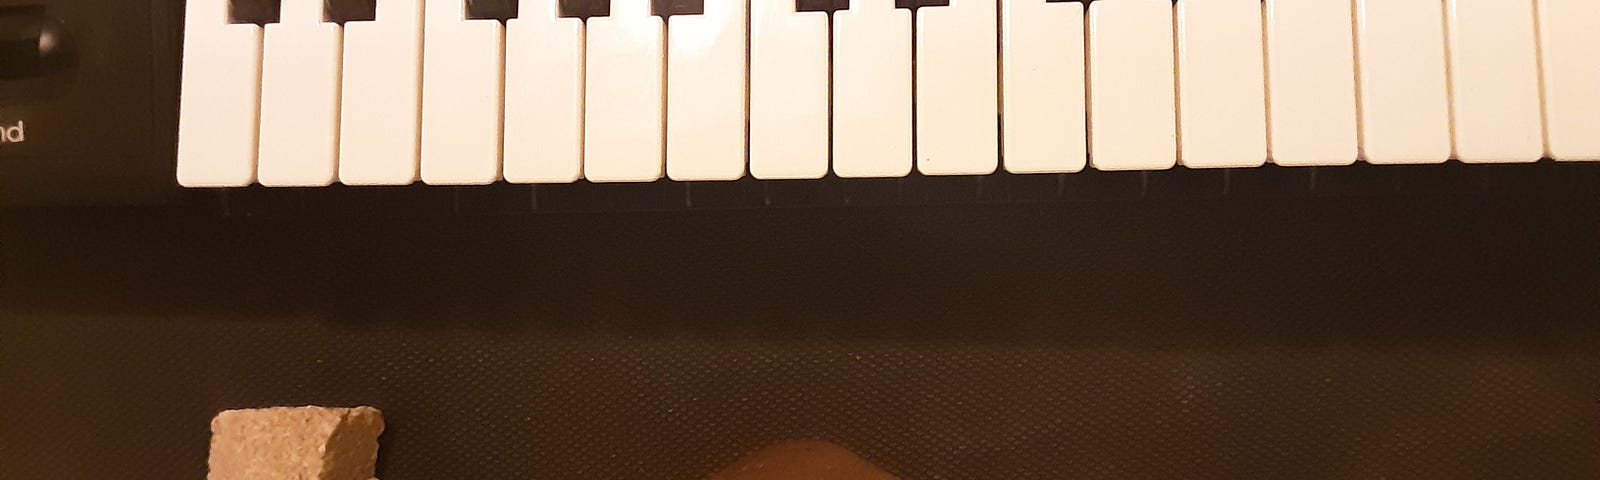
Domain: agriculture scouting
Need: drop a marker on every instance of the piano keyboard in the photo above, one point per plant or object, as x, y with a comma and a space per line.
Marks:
432, 91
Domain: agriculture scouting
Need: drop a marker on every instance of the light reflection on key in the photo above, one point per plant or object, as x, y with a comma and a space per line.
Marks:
788, 91
872, 90
463, 64
221, 98
624, 111
300, 98
380, 125
957, 89
706, 92
544, 95
1132, 97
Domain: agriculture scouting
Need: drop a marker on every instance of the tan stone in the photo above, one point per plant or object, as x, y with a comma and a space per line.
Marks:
803, 460
301, 443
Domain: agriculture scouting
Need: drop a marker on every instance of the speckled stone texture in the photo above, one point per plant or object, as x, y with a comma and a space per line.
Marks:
302, 443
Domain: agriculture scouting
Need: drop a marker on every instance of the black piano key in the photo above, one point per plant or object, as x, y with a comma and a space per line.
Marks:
821, 5
258, 12
836, 5
502, 10
668, 8
583, 8
341, 11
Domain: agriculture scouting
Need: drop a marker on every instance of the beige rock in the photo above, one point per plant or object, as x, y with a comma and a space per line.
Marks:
300, 443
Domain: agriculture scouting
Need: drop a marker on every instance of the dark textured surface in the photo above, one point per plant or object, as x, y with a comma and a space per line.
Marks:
1393, 337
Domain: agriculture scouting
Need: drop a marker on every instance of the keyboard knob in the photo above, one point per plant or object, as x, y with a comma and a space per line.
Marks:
37, 55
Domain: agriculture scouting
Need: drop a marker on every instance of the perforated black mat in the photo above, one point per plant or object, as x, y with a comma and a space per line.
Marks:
1395, 337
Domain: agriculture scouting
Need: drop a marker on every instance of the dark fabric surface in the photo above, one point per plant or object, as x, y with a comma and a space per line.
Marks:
1392, 337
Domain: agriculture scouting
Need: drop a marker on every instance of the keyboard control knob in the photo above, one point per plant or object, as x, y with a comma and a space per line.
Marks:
37, 56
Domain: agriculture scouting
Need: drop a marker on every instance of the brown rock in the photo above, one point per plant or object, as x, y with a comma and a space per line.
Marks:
310, 443
803, 460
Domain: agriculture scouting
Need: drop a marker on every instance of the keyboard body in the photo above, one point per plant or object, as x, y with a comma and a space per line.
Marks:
1241, 321
103, 130
106, 131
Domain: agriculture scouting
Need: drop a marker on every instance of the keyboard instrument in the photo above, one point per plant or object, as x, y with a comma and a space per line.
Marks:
804, 102
964, 239
438, 91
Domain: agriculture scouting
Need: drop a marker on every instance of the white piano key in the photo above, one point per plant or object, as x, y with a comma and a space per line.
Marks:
1132, 92
544, 95
300, 98
624, 135
221, 97
958, 132
1570, 43
1043, 70
381, 120
788, 91
1222, 96
872, 90
706, 74
462, 75
1404, 91
1311, 90
1494, 76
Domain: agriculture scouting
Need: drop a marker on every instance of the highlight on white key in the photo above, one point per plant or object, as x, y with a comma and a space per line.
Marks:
462, 95
380, 126
300, 82
957, 89
788, 91
1494, 77
1403, 85
544, 95
872, 79
1132, 90
1570, 58
625, 101
1222, 95
220, 99
1311, 83
1043, 73
707, 91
